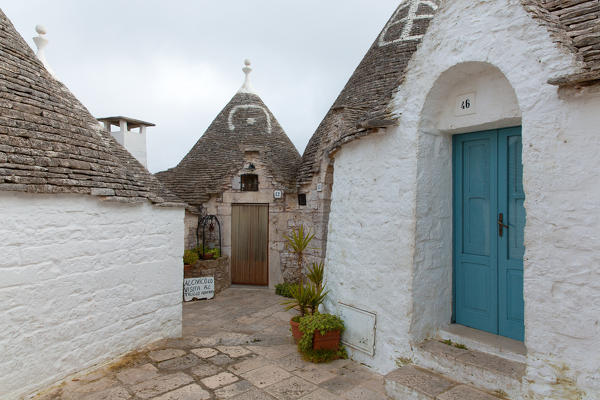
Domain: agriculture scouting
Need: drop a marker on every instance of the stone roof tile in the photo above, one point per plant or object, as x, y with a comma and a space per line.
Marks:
245, 123
50, 143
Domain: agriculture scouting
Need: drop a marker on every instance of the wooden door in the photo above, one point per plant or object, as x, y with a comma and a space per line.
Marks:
489, 223
250, 244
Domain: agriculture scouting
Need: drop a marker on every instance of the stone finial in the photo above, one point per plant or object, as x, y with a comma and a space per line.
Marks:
247, 86
41, 42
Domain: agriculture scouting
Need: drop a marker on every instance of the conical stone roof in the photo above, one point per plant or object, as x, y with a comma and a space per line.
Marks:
244, 124
50, 143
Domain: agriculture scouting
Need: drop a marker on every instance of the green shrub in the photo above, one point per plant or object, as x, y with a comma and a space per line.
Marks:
285, 289
317, 322
190, 256
216, 253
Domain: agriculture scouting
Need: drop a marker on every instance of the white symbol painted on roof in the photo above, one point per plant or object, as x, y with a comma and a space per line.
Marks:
408, 22
250, 121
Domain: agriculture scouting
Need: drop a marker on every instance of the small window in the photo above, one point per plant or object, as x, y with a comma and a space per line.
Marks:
249, 183
302, 199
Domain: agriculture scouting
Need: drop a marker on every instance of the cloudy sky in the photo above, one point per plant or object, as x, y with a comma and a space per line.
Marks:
177, 63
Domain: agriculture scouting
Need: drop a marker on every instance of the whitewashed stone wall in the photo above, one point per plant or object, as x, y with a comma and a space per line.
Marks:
83, 281
387, 255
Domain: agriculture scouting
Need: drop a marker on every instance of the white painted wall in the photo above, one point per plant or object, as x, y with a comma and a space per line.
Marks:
387, 250
83, 281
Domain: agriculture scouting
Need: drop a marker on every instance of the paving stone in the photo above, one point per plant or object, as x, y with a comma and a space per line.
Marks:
160, 385
221, 360
273, 352
205, 370
190, 392
233, 390
464, 392
233, 338
234, 351
339, 384
115, 393
131, 376
76, 389
180, 363
291, 362
321, 394
219, 380
362, 393
314, 374
205, 352
254, 394
266, 376
417, 379
291, 389
248, 365
166, 354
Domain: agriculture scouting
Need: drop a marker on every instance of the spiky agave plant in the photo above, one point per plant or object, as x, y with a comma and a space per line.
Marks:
298, 243
316, 273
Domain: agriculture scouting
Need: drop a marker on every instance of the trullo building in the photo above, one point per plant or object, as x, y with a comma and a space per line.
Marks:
464, 159
91, 242
242, 170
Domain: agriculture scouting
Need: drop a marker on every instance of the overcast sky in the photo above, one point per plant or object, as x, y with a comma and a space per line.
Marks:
177, 63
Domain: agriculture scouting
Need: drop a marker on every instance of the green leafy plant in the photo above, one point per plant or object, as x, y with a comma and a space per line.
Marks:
316, 273
283, 289
322, 323
297, 242
190, 256
216, 253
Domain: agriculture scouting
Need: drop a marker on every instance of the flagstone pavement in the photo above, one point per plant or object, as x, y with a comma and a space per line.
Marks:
236, 346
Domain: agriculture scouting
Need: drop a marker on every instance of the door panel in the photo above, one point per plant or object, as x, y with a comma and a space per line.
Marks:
475, 255
488, 267
249, 244
511, 245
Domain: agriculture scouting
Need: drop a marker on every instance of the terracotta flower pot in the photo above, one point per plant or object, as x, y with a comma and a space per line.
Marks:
329, 341
207, 256
296, 330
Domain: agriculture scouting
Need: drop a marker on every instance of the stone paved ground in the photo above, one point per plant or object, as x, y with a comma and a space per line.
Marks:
237, 346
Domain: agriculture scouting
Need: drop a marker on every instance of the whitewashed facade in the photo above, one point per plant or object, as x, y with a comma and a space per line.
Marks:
83, 281
389, 247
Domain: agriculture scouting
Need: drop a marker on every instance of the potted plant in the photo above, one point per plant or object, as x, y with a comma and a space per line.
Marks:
190, 257
320, 332
300, 294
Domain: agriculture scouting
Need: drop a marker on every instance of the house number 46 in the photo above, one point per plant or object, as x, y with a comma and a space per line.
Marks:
465, 104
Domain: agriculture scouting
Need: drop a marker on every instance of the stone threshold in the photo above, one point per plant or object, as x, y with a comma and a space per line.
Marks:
411, 382
489, 372
485, 342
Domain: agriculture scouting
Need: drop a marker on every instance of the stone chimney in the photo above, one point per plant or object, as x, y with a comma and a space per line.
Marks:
131, 134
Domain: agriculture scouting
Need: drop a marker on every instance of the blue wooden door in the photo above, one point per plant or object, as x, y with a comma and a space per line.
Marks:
489, 221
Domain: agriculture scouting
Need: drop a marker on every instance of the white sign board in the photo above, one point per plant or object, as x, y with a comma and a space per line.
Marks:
466, 104
360, 328
198, 288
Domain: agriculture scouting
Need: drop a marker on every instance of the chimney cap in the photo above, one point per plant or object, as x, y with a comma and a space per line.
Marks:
40, 29
131, 122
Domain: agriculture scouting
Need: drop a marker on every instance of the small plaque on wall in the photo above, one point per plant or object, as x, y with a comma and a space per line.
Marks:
278, 194
360, 328
198, 288
466, 104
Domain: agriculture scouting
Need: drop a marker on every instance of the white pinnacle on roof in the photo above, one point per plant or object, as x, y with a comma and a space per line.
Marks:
247, 86
41, 42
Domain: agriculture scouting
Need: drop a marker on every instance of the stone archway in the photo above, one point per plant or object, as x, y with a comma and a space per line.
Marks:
492, 104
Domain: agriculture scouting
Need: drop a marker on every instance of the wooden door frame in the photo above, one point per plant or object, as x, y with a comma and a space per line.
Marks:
268, 238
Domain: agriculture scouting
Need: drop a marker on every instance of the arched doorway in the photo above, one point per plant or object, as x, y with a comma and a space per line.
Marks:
468, 165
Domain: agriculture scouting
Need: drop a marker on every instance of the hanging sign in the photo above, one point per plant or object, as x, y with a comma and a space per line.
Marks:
198, 288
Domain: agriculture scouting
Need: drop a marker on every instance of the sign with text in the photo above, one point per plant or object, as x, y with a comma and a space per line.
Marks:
198, 288
466, 104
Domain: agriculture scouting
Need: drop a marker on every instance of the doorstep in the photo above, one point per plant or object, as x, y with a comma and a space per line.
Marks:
483, 370
485, 342
411, 382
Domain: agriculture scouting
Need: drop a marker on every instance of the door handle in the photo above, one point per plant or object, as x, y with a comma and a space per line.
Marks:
501, 225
